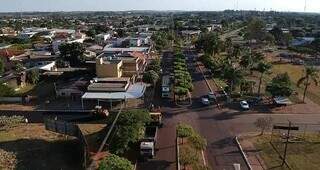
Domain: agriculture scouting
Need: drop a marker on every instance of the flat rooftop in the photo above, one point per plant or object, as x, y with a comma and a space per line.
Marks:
107, 87
130, 49
112, 79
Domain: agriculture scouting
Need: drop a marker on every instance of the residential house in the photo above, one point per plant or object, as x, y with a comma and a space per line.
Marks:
73, 88
108, 67
27, 33
135, 42
102, 38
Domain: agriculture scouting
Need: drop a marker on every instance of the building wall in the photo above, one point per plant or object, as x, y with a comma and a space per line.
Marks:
104, 70
130, 68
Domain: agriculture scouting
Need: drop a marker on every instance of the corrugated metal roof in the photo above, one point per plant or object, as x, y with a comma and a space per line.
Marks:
134, 91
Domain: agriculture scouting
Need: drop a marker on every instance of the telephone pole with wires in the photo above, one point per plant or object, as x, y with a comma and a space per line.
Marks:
305, 5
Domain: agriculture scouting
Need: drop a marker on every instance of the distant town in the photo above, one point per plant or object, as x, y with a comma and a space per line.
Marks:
151, 90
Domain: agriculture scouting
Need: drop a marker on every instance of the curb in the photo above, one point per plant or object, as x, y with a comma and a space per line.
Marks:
242, 153
208, 84
178, 154
204, 77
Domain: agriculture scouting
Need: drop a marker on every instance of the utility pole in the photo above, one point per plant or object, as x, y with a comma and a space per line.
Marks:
305, 6
286, 145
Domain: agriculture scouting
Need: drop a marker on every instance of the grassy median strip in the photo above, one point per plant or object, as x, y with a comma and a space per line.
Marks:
191, 146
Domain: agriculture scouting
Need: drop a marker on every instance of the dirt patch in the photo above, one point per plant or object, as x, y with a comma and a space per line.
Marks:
32, 147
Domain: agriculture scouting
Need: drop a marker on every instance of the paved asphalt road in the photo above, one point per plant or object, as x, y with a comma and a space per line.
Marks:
219, 127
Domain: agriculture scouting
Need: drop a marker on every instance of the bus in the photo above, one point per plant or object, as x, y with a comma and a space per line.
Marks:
165, 88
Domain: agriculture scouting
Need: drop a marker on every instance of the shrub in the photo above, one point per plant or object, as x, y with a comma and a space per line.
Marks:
114, 162
6, 91
198, 142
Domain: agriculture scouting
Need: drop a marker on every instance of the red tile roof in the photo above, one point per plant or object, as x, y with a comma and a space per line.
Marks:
9, 53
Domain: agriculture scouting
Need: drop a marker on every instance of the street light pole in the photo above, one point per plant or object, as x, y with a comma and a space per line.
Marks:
286, 145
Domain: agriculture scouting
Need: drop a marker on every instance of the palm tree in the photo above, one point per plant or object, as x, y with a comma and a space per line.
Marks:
228, 43
311, 75
233, 76
262, 68
257, 57
246, 61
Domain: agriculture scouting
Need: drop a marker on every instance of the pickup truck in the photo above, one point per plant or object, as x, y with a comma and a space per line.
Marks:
147, 145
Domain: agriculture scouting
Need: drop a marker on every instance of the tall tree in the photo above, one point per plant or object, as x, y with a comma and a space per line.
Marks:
262, 68
233, 76
277, 34
280, 85
73, 53
150, 77
311, 75
18, 67
209, 43
129, 127
33, 76
246, 61
255, 29
228, 44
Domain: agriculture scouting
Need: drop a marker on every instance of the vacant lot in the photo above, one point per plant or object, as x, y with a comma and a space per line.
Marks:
36, 148
296, 72
32, 147
301, 155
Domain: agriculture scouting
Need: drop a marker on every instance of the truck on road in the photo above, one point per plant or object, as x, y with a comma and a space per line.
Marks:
165, 86
156, 118
148, 143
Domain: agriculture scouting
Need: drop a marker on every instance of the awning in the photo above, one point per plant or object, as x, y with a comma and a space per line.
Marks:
135, 91
282, 100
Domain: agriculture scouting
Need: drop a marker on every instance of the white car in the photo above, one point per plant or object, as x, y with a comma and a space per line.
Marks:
205, 101
244, 105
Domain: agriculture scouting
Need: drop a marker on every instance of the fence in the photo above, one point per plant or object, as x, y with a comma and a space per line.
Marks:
70, 129
11, 99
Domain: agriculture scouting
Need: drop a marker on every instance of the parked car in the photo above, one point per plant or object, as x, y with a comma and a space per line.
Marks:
211, 96
244, 105
205, 101
255, 100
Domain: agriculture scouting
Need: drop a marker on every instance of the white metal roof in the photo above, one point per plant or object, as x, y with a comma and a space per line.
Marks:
130, 49
134, 91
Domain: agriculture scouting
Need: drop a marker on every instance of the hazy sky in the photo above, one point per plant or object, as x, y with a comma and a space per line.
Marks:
114, 5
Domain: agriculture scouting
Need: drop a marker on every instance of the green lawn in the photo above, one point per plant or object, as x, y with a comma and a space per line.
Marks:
296, 72
24, 90
186, 148
303, 155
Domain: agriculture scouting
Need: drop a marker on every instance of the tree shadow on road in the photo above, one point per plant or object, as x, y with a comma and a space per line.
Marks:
154, 165
223, 116
226, 142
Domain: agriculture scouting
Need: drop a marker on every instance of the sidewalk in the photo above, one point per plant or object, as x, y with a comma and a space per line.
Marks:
252, 154
210, 82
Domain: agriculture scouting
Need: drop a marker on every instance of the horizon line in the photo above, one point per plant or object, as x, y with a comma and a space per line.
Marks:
160, 10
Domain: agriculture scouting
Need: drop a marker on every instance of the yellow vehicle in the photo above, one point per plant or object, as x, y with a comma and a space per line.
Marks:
156, 118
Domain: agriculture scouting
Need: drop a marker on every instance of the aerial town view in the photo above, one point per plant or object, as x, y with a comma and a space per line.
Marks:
159, 85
